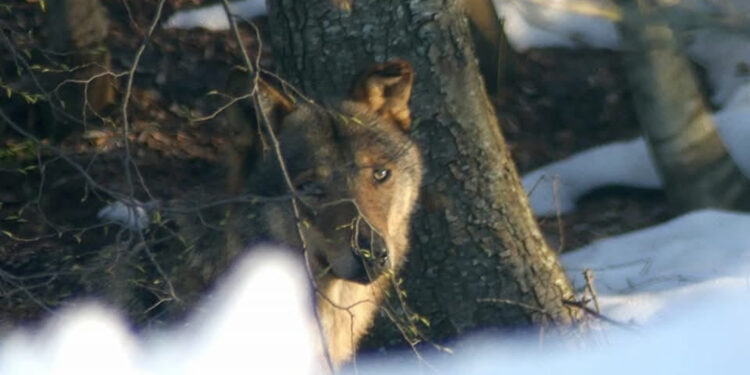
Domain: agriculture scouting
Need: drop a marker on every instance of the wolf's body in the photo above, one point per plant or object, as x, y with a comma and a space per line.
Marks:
357, 175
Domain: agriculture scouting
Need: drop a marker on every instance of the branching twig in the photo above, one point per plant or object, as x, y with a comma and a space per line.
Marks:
594, 313
254, 75
126, 99
224, 106
9, 278
57, 152
589, 276
30, 72
158, 267
506, 301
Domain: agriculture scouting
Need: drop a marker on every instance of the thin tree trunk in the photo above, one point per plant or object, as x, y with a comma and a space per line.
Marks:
695, 166
78, 28
474, 237
489, 40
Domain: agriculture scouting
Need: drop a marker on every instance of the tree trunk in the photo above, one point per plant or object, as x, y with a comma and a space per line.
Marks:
489, 40
695, 166
474, 238
78, 28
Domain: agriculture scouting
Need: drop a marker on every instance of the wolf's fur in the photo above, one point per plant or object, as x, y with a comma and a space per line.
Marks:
357, 174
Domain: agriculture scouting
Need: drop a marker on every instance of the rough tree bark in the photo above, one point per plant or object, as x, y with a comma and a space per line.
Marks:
475, 237
695, 166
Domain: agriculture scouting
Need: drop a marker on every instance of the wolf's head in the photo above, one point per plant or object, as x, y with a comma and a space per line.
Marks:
353, 166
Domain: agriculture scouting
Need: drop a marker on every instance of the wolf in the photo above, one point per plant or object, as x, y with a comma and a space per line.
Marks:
336, 181
340, 183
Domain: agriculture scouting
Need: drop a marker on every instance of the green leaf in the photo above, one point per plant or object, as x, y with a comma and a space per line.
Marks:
424, 321
157, 217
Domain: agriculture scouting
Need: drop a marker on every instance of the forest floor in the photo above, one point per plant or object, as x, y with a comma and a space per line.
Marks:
558, 102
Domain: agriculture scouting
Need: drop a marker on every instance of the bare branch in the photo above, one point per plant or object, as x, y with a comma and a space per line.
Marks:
126, 100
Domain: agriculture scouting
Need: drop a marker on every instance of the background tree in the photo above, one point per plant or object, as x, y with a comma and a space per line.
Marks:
695, 166
77, 30
477, 258
490, 44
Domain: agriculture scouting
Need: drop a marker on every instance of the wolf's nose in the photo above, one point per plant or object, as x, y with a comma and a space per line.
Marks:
372, 248
364, 242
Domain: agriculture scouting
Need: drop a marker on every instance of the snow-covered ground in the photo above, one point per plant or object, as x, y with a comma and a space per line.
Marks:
709, 338
584, 23
538, 24
647, 275
560, 183
684, 284
587, 23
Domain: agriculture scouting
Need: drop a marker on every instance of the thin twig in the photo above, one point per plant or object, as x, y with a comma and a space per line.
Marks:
506, 301
57, 152
594, 313
588, 275
224, 106
158, 267
558, 214
8, 277
254, 75
30, 72
126, 98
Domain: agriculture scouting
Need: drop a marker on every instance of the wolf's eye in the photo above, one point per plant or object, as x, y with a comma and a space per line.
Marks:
381, 175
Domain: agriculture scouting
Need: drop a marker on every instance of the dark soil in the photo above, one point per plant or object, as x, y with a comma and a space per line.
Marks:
559, 102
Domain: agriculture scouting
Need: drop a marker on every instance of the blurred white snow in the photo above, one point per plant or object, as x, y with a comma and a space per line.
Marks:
259, 321
132, 214
213, 17
684, 283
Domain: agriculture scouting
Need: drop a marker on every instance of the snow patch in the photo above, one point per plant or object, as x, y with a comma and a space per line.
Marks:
213, 17
646, 275
685, 283
540, 24
583, 23
726, 57
627, 163
259, 321
133, 214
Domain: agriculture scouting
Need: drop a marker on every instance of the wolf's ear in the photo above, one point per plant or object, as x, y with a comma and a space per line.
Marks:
386, 89
275, 105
